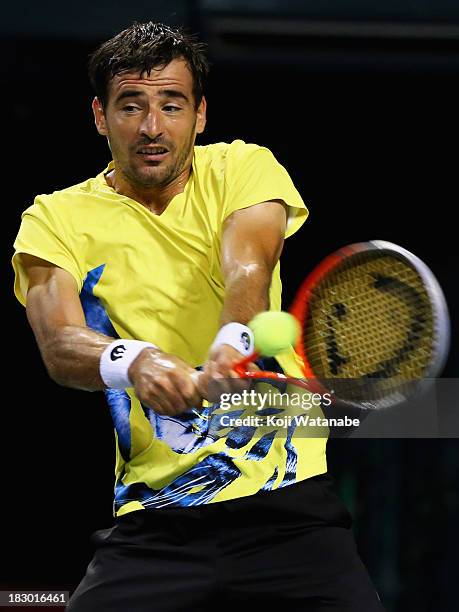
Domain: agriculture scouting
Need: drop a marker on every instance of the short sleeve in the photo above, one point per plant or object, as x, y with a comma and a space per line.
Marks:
42, 234
253, 175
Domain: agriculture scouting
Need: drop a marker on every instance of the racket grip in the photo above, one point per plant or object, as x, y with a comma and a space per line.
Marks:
241, 367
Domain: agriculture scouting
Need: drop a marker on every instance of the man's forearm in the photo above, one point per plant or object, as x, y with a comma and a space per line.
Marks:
246, 292
251, 246
72, 357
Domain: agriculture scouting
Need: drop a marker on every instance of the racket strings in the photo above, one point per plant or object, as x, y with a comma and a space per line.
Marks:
369, 320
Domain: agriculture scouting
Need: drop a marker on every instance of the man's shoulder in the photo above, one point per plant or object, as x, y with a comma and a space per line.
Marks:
89, 186
78, 193
221, 152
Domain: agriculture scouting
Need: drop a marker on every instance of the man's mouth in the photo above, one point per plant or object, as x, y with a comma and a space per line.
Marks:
153, 153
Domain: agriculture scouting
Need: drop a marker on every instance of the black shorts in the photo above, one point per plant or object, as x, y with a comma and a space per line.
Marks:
292, 546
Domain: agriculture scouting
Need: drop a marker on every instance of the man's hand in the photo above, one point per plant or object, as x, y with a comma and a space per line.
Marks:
219, 375
221, 361
164, 382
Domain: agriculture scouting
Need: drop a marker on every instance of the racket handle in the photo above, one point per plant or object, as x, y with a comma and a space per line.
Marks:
241, 367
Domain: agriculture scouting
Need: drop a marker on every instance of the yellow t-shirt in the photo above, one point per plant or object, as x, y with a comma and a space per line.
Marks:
159, 279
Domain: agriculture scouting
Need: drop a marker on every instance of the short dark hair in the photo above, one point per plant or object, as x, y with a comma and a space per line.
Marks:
144, 46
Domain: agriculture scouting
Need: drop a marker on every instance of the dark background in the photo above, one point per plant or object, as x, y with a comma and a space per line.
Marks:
360, 105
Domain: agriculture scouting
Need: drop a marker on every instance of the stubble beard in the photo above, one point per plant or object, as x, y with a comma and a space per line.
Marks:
162, 175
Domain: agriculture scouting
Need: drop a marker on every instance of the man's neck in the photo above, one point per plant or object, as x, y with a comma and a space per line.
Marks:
155, 199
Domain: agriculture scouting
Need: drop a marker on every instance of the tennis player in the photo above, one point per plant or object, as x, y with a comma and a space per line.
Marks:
134, 278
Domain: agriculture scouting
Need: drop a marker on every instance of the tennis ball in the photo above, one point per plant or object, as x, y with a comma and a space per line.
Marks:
274, 332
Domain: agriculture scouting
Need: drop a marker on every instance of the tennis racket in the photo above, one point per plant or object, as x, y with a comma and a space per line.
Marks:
374, 327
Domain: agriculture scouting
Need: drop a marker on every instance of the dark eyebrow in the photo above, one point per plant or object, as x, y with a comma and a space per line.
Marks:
165, 93
128, 93
173, 93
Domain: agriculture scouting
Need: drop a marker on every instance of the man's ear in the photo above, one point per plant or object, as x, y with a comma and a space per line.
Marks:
201, 116
99, 117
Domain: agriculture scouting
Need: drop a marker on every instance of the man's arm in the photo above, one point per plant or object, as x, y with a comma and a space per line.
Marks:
71, 351
252, 242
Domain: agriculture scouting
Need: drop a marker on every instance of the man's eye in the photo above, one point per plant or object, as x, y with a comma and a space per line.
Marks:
129, 108
171, 108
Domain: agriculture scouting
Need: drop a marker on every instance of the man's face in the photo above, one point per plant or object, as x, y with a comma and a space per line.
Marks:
151, 123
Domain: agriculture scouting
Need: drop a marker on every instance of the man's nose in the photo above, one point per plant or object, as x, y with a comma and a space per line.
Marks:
151, 125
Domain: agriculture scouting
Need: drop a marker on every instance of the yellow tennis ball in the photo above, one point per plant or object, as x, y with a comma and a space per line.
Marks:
274, 332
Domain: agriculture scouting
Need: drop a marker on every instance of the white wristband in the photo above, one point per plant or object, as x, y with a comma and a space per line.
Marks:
116, 359
236, 335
